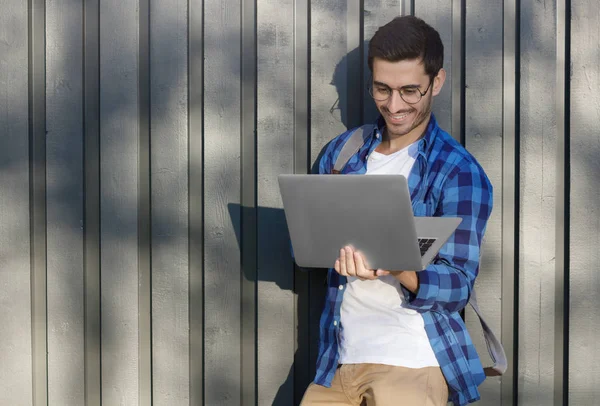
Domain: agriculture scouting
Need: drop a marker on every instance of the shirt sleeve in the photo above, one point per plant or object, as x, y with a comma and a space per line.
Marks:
325, 161
446, 284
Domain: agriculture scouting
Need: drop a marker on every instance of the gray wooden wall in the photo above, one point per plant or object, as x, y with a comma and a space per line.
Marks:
143, 249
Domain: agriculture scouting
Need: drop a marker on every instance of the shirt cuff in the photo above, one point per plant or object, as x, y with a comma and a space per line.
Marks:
429, 288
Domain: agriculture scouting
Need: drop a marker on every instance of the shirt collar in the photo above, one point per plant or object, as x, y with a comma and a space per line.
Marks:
425, 143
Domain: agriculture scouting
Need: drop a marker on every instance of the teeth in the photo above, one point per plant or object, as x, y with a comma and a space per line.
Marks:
400, 117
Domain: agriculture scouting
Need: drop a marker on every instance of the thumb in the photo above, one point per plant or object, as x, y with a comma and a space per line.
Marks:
381, 272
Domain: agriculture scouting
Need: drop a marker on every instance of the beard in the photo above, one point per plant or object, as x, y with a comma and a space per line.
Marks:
398, 130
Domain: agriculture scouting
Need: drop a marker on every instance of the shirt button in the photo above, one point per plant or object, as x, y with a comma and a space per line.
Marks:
341, 287
335, 323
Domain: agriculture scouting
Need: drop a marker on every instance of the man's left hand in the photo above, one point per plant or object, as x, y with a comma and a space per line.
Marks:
352, 263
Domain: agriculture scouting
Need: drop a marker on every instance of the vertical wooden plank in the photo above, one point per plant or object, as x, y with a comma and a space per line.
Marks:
91, 116
537, 203
583, 378
119, 200
37, 196
483, 125
510, 197
458, 63
329, 72
301, 126
195, 60
169, 154
302, 84
64, 80
408, 7
354, 64
438, 14
144, 208
15, 299
563, 206
222, 187
275, 155
249, 225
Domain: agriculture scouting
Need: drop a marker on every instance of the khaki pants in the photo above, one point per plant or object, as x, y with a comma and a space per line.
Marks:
380, 385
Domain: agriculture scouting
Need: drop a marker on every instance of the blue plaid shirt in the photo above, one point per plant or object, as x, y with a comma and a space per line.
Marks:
445, 181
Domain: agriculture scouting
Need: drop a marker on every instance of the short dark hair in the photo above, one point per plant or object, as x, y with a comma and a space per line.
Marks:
408, 37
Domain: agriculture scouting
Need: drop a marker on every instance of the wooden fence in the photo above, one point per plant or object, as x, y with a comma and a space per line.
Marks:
143, 250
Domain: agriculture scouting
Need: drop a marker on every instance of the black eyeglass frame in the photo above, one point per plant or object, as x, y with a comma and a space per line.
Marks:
370, 89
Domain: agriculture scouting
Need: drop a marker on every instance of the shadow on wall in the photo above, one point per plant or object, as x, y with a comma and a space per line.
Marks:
351, 77
298, 377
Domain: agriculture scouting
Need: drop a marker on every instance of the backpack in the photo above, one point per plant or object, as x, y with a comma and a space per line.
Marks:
495, 349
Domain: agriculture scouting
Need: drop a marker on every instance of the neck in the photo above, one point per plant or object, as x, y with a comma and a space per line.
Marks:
391, 143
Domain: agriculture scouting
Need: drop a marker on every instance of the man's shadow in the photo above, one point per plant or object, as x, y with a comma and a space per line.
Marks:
351, 77
353, 107
309, 286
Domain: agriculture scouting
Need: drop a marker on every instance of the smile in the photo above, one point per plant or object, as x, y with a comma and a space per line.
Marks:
398, 117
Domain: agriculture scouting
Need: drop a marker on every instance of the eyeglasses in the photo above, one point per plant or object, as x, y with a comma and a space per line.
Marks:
410, 94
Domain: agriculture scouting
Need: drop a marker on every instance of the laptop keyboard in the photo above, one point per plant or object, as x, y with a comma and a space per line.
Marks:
425, 244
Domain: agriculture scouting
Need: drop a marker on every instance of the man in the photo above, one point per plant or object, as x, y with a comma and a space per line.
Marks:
392, 337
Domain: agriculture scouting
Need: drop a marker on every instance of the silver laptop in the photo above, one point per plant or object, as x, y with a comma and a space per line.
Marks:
372, 213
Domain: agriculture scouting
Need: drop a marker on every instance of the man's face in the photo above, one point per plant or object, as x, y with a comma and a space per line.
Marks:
402, 118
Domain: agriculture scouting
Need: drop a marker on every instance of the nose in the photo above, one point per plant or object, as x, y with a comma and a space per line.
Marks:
395, 103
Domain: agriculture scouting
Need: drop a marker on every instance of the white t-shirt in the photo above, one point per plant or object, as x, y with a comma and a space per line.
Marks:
375, 326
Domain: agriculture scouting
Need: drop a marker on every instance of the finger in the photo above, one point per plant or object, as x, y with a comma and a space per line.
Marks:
336, 266
365, 263
350, 265
360, 267
381, 272
372, 272
342, 260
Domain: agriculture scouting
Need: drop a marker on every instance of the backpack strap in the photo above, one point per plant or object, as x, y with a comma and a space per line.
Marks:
494, 345
351, 147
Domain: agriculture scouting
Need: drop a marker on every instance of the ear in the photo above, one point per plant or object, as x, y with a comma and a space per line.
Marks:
438, 82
